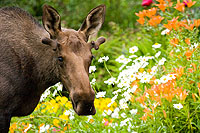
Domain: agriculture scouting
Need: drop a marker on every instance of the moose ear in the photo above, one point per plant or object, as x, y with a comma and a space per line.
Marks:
93, 21
51, 21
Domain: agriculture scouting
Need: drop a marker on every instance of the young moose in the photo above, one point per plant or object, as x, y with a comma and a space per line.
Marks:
33, 57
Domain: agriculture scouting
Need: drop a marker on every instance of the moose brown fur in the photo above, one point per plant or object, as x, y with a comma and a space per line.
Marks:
34, 57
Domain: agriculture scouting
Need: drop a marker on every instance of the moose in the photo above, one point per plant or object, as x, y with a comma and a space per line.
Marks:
34, 57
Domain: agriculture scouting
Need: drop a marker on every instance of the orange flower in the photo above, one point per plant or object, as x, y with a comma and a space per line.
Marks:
144, 117
155, 20
169, 97
170, 3
13, 127
197, 23
161, 1
151, 12
66, 127
136, 82
193, 96
141, 14
175, 24
189, 3
194, 65
141, 99
179, 71
168, 26
172, 24
180, 6
141, 21
187, 40
164, 113
183, 95
190, 70
174, 42
189, 27
146, 110
198, 84
188, 53
152, 80
199, 90
162, 6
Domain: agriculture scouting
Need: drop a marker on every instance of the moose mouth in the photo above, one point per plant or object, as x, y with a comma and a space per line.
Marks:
83, 108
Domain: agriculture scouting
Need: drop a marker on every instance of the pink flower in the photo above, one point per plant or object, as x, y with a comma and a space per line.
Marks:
56, 130
147, 2
185, 3
106, 123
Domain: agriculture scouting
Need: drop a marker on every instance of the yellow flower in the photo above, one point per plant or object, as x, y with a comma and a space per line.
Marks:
42, 111
64, 100
64, 117
31, 116
52, 101
38, 107
58, 98
56, 122
68, 105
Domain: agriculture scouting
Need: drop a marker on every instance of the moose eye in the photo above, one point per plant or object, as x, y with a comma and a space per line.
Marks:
60, 58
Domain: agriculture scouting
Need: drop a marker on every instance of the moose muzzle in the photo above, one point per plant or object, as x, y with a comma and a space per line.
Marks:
83, 103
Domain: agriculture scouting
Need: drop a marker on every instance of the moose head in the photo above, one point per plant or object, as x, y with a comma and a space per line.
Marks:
74, 56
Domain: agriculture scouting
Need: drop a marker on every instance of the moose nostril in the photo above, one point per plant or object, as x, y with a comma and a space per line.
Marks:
90, 109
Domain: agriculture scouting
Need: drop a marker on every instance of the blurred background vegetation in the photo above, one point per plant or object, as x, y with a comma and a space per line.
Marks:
73, 12
120, 28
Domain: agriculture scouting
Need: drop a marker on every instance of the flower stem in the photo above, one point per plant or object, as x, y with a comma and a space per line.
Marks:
107, 69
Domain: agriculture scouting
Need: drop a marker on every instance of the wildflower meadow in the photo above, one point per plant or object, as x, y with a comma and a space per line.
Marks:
146, 80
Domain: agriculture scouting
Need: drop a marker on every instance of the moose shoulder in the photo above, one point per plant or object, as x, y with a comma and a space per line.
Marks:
34, 57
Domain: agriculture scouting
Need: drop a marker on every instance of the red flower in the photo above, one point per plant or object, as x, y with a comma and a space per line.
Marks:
147, 2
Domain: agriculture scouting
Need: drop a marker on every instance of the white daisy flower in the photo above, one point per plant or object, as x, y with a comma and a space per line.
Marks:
164, 32
157, 54
146, 78
102, 59
171, 76
178, 106
44, 128
101, 94
162, 61
156, 45
93, 81
92, 69
164, 79
133, 111
133, 49
110, 81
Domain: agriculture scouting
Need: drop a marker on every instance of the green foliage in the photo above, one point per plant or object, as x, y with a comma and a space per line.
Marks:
73, 12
